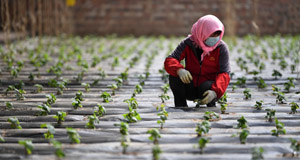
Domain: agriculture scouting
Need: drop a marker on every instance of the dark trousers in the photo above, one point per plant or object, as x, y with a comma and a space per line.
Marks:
183, 92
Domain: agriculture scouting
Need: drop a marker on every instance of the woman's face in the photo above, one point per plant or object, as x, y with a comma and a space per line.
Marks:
215, 34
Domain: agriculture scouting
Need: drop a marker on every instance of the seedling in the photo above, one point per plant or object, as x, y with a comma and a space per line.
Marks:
14, 123
295, 146
156, 151
164, 75
80, 76
289, 84
242, 123
202, 144
76, 103
131, 103
275, 89
39, 88
124, 75
280, 98
243, 136
223, 99
27, 145
279, 128
2, 139
31, 77
50, 132
58, 149
241, 81
164, 97
79, 96
270, 114
283, 64
52, 83
258, 105
132, 116
138, 89
99, 110
142, 80
102, 73
124, 131
165, 88
234, 88
45, 110
86, 86
211, 116
106, 97
257, 153
51, 99
203, 127
119, 82
9, 105
92, 120
223, 107
261, 83
115, 63
247, 93
9, 88
294, 107
154, 135
61, 86
60, 116
95, 82
276, 74
113, 88
73, 135
163, 114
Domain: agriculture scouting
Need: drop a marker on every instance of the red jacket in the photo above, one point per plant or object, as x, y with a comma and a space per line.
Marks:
214, 67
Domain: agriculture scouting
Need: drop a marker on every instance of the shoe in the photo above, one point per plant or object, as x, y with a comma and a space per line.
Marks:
211, 104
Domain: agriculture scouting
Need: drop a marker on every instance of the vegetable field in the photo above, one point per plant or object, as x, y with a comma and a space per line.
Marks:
108, 98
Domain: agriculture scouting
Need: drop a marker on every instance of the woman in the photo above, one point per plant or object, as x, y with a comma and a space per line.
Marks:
206, 72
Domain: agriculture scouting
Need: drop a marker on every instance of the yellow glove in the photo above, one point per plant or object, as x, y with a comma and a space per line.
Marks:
184, 75
209, 95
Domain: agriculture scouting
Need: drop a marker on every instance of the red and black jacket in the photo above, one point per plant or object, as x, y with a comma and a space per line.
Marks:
214, 67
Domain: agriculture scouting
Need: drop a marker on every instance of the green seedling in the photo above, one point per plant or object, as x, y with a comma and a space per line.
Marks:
163, 97
115, 63
51, 99
102, 73
79, 96
80, 76
257, 153
142, 80
61, 86
132, 116
60, 116
99, 110
50, 132
14, 72
258, 105
275, 89
293, 68
156, 151
19, 94
203, 127
270, 114
86, 86
234, 88
283, 64
92, 121
2, 139
243, 136
113, 88
73, 135
294, 107
119, 82
279, 128
95, 82
20, 85
165, 88
242, 123
125, 143
289, 84
223, 99
124, 75
276, 74
76, 103
211, 116
241, 81
247, 93
202, 144
58, 149
131, 103
223, 107
280, 98
163, 114
31, 77
9, 105
45, 110
261, 83
124, 131
9, 88
39, 88
154, 135
52, 83
14, 123
106, 97
295, 146
164, 75
27, 145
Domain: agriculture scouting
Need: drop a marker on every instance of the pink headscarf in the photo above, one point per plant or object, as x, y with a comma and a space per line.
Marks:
202, 29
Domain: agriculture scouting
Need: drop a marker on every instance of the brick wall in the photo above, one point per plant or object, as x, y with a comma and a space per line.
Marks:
175, 17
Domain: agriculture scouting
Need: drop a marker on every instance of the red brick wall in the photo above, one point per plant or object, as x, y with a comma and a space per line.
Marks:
175, 17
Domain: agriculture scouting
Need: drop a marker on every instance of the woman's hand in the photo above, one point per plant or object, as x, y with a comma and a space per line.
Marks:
184, 75
209, 95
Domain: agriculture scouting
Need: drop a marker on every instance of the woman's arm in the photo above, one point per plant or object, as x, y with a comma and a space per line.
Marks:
223, 78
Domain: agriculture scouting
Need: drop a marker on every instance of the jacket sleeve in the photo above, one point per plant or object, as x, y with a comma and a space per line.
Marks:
172, 62
222, 80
